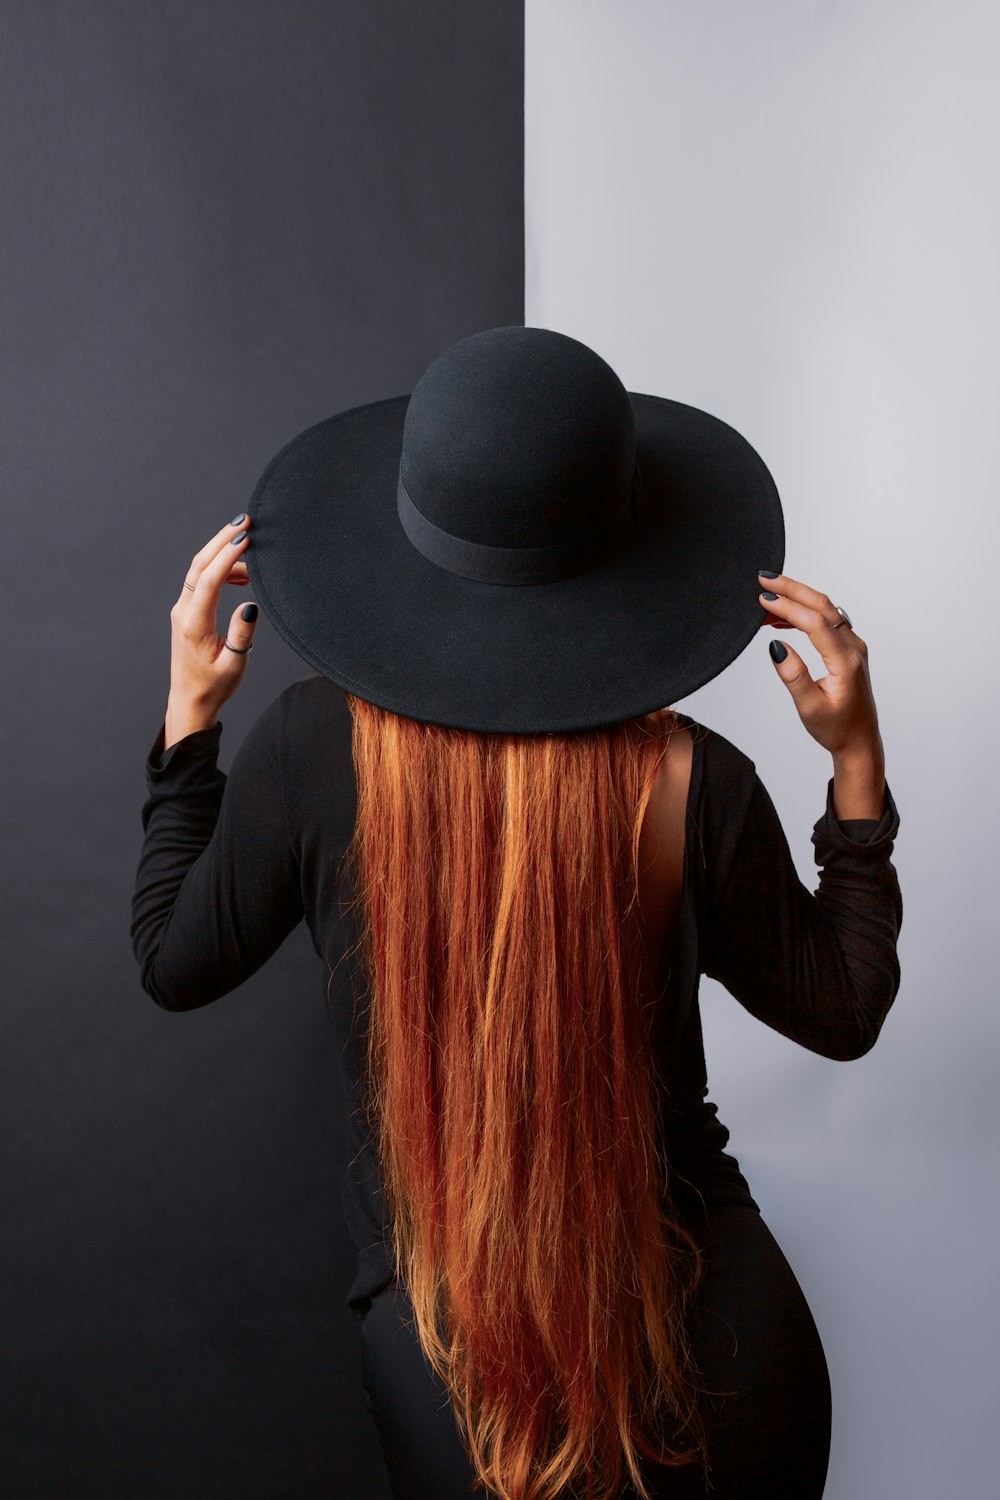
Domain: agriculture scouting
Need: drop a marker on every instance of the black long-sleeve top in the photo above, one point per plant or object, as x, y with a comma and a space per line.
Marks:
230, 865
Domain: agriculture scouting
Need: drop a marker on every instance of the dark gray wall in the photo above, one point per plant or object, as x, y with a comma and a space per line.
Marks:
221, 223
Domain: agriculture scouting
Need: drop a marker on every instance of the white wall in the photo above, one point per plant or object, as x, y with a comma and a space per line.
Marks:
788, 215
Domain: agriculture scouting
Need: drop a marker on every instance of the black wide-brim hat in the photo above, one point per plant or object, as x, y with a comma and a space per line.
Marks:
519, 545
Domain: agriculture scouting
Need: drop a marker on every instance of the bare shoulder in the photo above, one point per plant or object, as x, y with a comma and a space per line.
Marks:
661, 847
680, 746
663, 828
670, 790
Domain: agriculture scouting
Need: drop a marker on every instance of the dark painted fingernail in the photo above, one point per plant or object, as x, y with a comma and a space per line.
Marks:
769, 596
237, 539
248, 612
764, 572
243, 515
778, 650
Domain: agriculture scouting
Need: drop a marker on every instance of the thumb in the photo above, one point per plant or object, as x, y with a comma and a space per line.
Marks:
794, 674
242, 624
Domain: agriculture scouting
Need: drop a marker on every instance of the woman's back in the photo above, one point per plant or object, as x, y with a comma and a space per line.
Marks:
719, 895
718, 888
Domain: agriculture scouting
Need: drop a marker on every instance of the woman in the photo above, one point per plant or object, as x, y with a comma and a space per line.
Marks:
516, 864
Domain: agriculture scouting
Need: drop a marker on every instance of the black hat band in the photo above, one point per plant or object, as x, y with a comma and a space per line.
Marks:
514, 565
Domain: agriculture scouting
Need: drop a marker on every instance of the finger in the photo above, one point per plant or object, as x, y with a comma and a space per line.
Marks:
796, 676
238, 574
203, 603
793, 588
816, 620
202, 559
240, 633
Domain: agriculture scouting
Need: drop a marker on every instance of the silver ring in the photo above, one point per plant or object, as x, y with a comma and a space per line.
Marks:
189, 586
240, 650
845, 617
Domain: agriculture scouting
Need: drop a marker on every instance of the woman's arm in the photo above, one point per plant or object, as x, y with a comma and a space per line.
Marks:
822, 968
859, 785
217, 888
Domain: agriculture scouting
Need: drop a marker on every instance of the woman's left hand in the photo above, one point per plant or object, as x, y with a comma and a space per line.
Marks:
204, 673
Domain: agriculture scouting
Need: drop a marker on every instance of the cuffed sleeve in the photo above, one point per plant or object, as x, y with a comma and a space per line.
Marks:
877, 834
821, 968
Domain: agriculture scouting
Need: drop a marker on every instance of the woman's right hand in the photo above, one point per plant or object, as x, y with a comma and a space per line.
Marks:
838, 710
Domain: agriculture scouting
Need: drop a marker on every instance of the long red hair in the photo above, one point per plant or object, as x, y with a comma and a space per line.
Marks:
512, 1098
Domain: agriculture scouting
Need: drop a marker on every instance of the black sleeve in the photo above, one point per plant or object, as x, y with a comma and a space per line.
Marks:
218, 886
821, 968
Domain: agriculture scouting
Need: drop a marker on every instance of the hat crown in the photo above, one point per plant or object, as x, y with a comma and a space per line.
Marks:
520, 437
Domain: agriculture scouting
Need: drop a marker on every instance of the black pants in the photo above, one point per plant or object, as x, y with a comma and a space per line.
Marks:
751, 1330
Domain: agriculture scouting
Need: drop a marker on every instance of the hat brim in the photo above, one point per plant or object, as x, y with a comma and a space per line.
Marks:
340, 581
